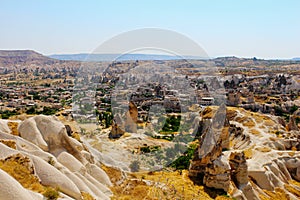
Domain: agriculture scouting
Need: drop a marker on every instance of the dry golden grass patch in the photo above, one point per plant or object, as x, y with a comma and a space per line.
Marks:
277, 194
248, 153
13, 126
76, 136
246, 121
51, 193
160, 186
296, 183
209, 112
263, 149
131, 190
269, 122
231, 113
294, 148
20, 168
259, 118
126, 134
291, 153
292, 190
222, 198
263, 197
262, 127
114, 174
9, 143
86, 196
249, 123
254, 132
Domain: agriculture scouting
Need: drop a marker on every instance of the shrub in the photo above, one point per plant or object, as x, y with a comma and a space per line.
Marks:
7, 114
134, 166
51, 161
293, 109
183, 162
51, 193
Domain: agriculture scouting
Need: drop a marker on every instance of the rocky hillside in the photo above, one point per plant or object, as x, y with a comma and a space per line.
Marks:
39, 159
250, 62
253, 156
24, 57
247, 156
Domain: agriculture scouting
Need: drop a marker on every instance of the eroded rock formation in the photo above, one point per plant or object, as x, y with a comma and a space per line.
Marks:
256, 162
54, 159
127, 123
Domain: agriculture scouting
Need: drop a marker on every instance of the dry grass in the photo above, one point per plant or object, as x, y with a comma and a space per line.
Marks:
9, 143
114, 174
160, 186
259, 118
278, 194
231, 113
296, 183
126, 134
19, 167
13, 126
254, 132
269, 122
86, 196
248, 122
248, 153
222, 198
208, 112
263, 149
291, 153
292, 190
76, 136
51, 193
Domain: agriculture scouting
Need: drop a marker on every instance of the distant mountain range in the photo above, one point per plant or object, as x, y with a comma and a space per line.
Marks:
21, 57
28, 57
119, 57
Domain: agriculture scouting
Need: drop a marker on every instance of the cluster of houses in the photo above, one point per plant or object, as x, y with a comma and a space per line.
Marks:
21, 93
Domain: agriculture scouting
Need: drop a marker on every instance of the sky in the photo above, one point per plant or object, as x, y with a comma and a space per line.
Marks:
248, 28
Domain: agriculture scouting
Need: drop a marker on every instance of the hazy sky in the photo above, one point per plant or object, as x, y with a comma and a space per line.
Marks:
248, 28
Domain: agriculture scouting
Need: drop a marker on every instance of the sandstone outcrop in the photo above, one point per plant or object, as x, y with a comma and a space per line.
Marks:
57, 160
12, 190
255, 162
129, 124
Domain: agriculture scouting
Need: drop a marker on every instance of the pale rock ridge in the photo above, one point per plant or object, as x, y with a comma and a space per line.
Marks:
12, 190
58, 160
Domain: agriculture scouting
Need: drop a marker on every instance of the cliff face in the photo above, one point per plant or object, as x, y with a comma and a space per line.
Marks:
254, 156
51, 162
